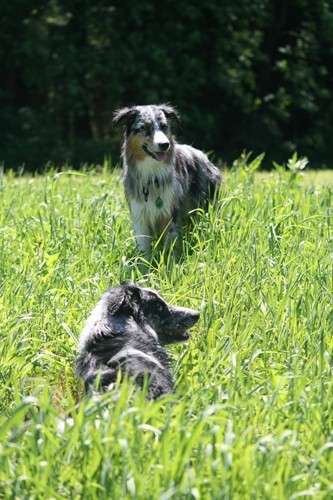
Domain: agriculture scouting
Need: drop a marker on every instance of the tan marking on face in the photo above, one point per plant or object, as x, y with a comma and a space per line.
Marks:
134, 146
164, 123
148, 123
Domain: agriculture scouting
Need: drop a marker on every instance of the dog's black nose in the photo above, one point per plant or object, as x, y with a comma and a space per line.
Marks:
190, 318
163, 146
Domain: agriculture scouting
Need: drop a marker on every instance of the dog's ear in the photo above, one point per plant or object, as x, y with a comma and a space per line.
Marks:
132, 291
116, 298
124, 116
171, 113
123, 298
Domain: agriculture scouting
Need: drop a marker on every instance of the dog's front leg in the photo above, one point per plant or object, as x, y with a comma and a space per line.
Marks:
142, 236
140, 226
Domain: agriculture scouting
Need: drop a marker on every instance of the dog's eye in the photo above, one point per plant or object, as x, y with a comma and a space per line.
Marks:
159, 308
140, 129
145, 129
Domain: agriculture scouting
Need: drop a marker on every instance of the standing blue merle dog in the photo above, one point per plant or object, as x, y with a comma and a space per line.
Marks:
163, 180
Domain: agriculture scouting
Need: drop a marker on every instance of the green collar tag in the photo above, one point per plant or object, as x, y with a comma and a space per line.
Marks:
159, 202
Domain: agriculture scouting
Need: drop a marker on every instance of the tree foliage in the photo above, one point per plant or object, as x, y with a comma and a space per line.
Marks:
251, 75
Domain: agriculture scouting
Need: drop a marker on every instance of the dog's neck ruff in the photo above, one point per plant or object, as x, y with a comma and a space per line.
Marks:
148, 181
145, 190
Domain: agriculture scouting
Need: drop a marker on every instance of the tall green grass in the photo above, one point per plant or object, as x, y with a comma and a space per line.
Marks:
252, 416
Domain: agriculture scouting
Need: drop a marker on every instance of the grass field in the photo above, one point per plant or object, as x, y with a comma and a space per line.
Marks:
252, 416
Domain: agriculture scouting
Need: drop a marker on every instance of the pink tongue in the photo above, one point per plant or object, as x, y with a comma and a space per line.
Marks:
160, 156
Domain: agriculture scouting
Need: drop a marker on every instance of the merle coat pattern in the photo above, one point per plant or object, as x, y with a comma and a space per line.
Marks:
163, 180
127, 332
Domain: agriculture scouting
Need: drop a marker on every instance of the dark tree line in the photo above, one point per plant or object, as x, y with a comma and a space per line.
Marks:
250, 75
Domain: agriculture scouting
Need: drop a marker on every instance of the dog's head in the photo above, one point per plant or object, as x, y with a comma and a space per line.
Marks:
149, 130
147, 307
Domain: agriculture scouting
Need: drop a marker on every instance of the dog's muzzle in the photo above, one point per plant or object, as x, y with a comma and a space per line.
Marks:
156, 155
161, 145
177, 331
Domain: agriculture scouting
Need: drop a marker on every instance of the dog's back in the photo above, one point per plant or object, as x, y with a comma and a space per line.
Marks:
101, 374
198, 177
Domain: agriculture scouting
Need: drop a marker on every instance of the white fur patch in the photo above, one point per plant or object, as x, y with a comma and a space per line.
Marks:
129, 351
159, 137
97, 316
150, 168
147, 213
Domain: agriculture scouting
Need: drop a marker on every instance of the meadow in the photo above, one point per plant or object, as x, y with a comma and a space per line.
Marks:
252, 416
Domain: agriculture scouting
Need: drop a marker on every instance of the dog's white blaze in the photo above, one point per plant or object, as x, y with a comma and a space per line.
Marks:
159, 137
129, 351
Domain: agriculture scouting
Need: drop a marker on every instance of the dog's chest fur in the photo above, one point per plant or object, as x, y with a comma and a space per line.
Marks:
151, 190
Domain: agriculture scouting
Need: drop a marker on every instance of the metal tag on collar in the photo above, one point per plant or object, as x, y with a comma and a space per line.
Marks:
159, 202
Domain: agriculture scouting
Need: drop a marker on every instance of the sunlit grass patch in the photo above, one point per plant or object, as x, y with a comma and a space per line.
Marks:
252, 414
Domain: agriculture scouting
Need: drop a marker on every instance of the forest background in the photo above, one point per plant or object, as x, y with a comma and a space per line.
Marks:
251, 75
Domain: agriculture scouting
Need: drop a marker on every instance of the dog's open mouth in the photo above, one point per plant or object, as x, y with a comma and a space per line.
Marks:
157, 155
179, 336
174, 337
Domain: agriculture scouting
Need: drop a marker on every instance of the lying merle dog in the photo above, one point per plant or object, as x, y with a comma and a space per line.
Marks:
126, 332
